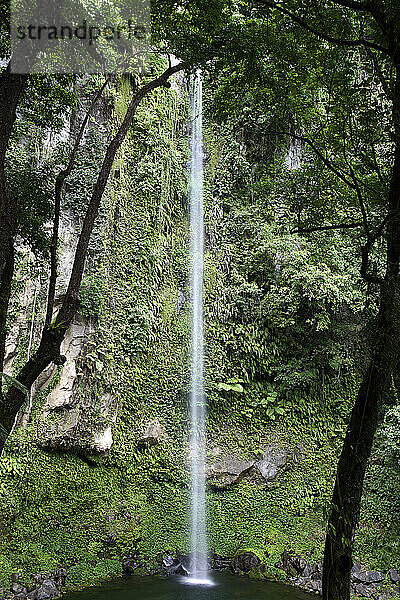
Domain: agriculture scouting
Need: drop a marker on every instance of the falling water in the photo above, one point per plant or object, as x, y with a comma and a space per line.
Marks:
197, 397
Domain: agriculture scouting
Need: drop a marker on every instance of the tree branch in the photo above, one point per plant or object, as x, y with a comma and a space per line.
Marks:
368, 277
61, 177
328, 227
321, 156
323, 36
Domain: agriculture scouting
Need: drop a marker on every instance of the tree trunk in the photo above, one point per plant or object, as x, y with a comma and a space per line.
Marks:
11, 86
53, 335
364, 418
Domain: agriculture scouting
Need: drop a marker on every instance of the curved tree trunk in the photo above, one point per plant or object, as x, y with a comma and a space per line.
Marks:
364, 418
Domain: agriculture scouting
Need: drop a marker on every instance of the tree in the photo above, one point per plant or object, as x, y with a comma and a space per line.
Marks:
377, 24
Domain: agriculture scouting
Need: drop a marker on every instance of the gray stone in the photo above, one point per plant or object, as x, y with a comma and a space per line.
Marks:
271, 462
227, 471
47, 590
354, 570
315, 586
368, 577
317, 572
153, 435
17, 588
394, 575
364, 590
308, 570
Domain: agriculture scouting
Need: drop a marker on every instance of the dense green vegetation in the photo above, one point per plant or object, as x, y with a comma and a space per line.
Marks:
300, 138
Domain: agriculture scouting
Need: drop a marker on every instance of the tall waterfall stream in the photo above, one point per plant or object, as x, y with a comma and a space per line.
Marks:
197, 396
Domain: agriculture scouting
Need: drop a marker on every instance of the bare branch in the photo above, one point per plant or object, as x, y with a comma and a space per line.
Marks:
328, 227
61, 177
321, 156
323, 36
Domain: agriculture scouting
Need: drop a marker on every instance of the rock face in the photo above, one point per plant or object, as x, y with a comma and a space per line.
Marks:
73, 420
82, 425
153, 435
367, 577
70, 420
245, 562
230, 470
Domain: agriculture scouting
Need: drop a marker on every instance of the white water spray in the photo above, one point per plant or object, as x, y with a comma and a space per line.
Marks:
197, 397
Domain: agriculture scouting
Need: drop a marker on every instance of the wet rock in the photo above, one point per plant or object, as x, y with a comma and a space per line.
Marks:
368, 577
153, 435
130, 564
272, 461
32, 595
17, 588
394, 575
245, 562
47, 590
167, 561
175, 566
364, 590
308, 570
220, 563
315, 586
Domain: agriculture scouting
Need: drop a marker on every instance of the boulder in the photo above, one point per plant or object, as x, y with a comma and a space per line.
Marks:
354, 570
272, 461
364, 590
315, 586
317, 572
228, 471
60, 575
153, 435
17, 588
308, 570
394, 575
245, 562
175, 566
368, 577
47, 590
220, 563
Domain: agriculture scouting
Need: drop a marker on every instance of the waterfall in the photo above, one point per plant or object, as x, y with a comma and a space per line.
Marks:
197, 397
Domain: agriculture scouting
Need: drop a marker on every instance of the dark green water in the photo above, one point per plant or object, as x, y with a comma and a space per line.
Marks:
226, 587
